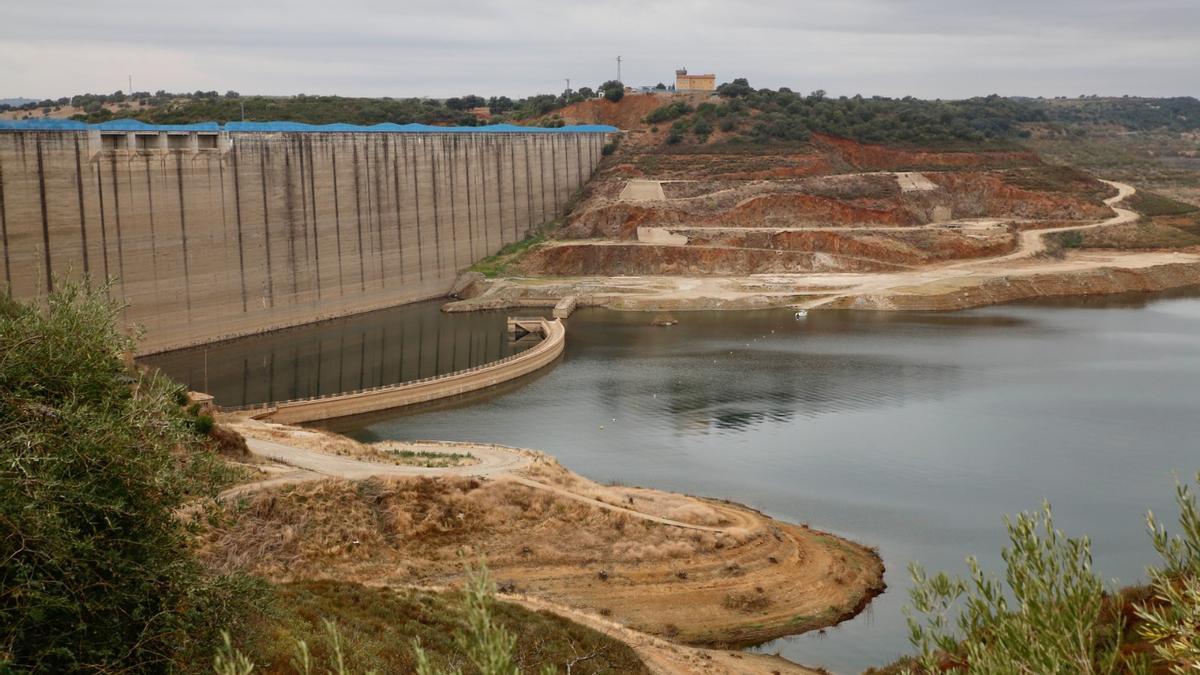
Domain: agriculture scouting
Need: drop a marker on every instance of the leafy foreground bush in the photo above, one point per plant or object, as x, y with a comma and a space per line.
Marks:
379, 630
1051, 613
96, 573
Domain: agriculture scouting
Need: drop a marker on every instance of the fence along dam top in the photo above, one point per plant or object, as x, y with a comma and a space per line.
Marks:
214, 231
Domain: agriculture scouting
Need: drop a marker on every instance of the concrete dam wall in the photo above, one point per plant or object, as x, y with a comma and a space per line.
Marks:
214, 233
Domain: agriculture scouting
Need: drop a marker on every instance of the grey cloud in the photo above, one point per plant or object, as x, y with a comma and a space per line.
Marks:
943, 48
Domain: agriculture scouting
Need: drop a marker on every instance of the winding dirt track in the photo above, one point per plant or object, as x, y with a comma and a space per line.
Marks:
804, 560
1033, 242
1030, 244
951, 285
495, 461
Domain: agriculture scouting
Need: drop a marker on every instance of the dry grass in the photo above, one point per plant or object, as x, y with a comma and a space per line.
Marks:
377, 627
425, 524
1156, 234
385, 452
421, 531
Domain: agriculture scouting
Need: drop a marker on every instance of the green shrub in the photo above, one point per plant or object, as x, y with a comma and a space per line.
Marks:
609, 148
202, 424
613, 90
98, 460
1171, 620
668, 112
1070, 239
1043, 617
674, 137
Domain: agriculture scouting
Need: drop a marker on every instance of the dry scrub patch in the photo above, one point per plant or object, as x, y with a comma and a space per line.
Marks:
661, 579
384, 452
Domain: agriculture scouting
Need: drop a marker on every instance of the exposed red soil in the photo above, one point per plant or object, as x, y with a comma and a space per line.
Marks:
627, 113
620, 220
910, 248
782, 209
978, 194
644, 259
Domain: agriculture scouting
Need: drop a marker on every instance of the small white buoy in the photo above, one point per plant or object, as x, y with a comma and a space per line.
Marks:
801, 314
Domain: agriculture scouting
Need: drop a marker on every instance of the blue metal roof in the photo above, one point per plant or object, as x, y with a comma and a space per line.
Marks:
46, 124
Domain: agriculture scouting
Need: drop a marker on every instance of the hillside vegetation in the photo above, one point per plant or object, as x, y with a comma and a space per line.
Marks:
97, 574
758, 116
1051, 613
736, 112
107, 473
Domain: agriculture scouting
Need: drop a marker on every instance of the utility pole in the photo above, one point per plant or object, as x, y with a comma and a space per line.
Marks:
619, 69
242, 101
568, 85
130, 85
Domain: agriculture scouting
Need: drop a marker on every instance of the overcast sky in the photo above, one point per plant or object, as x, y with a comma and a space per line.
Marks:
926, 48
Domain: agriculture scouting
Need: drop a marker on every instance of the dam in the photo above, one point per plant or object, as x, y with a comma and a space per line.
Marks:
216, 231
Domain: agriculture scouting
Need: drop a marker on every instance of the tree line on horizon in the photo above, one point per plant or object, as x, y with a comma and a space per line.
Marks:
747, 114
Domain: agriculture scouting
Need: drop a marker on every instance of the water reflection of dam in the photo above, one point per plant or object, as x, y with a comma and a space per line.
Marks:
395, 345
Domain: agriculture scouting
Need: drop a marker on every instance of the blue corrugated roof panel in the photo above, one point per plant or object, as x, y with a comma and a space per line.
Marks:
46, 124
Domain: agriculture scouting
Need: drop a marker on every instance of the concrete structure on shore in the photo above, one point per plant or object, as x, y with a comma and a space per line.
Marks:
214, 232
345, 404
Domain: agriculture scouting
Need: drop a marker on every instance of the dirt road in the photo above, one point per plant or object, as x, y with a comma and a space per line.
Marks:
783, 570
297, 464
1020, 274
1033, 242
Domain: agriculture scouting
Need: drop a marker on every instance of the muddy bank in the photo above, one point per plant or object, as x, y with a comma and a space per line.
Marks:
974, 292
922, 289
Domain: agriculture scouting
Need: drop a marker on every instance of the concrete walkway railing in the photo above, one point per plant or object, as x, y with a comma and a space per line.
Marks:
384, 397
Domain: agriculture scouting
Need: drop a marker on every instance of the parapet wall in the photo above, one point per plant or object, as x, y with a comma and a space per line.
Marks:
243, 231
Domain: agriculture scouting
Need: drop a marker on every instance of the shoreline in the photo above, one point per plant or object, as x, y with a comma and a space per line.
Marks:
686, 576
1083, 274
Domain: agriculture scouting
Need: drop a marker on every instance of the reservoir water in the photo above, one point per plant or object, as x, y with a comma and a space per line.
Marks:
912, 432
366, 350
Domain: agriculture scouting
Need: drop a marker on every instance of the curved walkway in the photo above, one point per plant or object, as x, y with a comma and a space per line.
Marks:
495, 461
422, 391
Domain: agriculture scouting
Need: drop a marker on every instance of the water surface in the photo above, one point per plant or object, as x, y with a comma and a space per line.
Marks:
366, 350
911, 432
